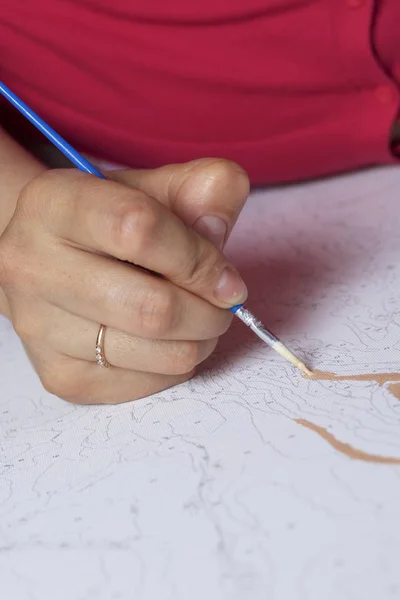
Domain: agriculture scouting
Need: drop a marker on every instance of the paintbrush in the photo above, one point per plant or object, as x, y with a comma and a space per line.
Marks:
84, 165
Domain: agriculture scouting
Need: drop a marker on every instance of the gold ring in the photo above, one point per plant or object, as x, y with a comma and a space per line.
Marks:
100, 354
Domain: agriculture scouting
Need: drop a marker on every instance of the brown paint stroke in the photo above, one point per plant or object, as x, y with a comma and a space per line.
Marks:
394, 388
381, 379
346, 448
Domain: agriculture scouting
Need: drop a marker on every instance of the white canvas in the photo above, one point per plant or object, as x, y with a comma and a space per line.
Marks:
249, 482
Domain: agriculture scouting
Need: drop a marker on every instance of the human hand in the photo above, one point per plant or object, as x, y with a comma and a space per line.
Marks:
70, 260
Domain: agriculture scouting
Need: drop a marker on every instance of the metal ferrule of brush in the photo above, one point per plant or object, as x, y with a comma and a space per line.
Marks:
255, 325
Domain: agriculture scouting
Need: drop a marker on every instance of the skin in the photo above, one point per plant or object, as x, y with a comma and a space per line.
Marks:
76, 251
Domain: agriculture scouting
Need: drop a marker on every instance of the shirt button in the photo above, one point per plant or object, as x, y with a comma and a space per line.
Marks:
385, 94
355, 3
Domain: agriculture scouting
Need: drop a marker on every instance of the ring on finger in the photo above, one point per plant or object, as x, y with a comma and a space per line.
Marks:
100, 352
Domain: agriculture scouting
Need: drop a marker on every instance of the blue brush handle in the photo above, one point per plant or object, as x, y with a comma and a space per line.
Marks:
234, 309
77, 159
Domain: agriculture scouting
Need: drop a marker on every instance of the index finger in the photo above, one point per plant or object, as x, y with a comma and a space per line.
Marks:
108, 217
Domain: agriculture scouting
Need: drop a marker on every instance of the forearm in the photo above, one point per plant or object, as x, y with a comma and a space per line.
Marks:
17, 168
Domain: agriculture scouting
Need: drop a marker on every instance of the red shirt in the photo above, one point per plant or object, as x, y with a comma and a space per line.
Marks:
290, 89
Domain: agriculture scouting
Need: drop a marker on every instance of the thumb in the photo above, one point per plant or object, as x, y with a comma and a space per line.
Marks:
207, 194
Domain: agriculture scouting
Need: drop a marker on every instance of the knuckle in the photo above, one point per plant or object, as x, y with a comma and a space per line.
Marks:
59, 381
156, 313
224, 322
14, 256
20, 251
41, 187
208, 348
42, 197
52, 380
26, 327
29, 195
17, 263
136, 227
184, 358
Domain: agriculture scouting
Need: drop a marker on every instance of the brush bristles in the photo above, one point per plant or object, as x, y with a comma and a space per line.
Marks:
292, 358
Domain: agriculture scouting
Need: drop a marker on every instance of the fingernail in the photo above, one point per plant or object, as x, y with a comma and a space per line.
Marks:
213, 228
231, 287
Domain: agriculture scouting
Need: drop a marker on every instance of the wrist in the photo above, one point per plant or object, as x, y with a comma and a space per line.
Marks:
17, 168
